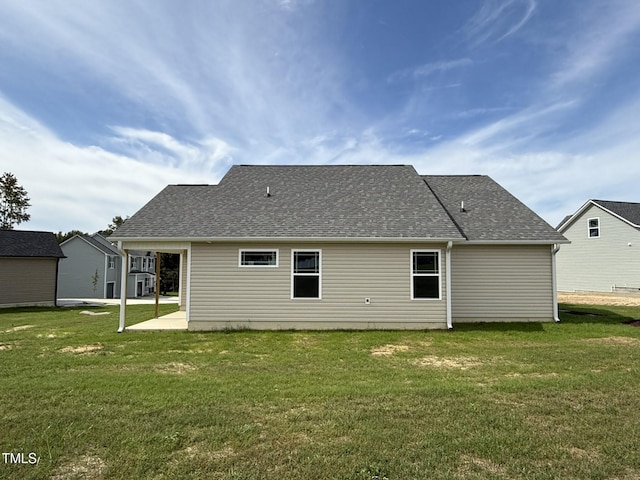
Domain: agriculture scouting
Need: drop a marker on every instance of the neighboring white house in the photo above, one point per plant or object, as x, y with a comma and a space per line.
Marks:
604, 254
358, 247
92, 269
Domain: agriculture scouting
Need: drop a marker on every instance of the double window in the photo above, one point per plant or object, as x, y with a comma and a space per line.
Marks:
594, 227
425, 274
306, 271
258, 258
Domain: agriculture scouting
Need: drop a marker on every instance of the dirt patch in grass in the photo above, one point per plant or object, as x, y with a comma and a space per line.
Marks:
600, 298
86, 467
386, 350
18, 328
627, 341
177, 368
532, 375
457, 363
470, 465
83, 349
5, 346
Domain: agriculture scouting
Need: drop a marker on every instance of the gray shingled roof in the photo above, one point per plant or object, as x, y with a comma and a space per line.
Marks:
490, 213
628, 210
306, 202
383, 201
106, 249
24, 243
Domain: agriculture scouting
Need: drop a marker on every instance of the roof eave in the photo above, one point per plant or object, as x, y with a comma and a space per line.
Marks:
285, 239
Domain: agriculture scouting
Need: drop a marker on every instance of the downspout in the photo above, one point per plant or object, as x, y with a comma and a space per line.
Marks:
448, 267
554, 282
124, 280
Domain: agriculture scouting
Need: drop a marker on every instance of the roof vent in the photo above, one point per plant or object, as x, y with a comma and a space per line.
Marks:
268, 192
462, 206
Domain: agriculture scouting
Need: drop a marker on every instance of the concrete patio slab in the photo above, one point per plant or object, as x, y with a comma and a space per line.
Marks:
172, 321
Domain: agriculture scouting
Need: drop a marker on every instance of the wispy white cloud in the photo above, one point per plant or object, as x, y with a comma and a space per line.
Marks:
78, 187
428, 69
610, 33
498, 19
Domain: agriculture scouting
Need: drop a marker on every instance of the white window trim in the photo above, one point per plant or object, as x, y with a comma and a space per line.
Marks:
319, 274
589, 227
241, 250
439, 274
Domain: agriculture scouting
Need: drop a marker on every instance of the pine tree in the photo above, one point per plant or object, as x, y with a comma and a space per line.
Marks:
13, 202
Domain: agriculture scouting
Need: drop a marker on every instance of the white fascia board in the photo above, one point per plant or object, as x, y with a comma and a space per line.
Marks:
290, 239
515, 242
573, 217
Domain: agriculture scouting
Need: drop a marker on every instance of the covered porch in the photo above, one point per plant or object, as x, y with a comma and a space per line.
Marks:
173, 321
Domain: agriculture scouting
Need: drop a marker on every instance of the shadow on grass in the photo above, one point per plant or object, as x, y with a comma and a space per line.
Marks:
575, 314
498, 327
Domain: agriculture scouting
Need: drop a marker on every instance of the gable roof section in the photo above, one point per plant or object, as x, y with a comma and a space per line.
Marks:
339, 201
24, 243
491, 213
628, 212
102, 246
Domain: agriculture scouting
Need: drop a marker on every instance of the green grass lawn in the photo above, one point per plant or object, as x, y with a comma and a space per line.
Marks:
491, 401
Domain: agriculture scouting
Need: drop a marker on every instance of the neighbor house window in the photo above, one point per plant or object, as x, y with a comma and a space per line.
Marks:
306, 271
594, 227
258, 258
425, 274
112, 263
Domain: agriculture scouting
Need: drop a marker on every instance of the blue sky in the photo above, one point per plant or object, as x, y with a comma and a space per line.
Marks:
103, 103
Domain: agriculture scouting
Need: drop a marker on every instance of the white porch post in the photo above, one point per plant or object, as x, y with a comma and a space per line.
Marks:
448, 267
124, 280
554, 282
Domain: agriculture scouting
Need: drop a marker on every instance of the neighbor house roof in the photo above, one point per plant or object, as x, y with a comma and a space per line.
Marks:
347, 201
103, 247
486, 212
628, 212
24, 243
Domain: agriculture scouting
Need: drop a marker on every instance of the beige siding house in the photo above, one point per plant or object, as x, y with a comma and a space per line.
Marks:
604, 252
28, 268
353, 247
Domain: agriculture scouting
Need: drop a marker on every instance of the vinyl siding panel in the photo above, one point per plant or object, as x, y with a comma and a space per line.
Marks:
76, 271
599, 264
224, 295
27, 281
501, 283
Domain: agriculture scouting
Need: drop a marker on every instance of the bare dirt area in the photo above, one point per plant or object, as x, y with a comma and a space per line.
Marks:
600, 298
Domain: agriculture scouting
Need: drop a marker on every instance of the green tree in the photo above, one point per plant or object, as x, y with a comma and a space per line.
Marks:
116, 222
66, 236
14, 202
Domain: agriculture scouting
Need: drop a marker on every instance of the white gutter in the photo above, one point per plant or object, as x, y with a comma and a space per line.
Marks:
448, 277
554, 282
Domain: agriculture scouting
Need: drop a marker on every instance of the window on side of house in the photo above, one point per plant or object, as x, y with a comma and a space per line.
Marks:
112, 263
594, 227
306, 274
425, 275
258, 258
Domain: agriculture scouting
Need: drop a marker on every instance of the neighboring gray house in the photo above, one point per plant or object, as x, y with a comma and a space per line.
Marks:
604, 252
358, 247
92, 269
28, 268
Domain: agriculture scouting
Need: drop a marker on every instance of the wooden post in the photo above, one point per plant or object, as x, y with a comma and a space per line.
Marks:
157, 282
